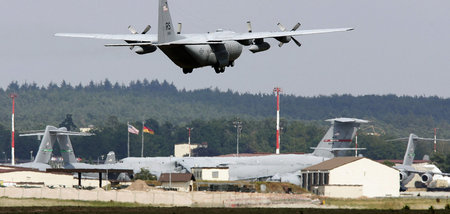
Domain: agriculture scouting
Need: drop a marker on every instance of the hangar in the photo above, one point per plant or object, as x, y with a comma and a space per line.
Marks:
351, 177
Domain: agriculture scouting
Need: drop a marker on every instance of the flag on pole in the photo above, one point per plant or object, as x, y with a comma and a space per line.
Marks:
148, 130
132, 130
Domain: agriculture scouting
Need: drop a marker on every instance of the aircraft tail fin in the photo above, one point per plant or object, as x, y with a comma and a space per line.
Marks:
110, 158
338, 137
410, 149
50, 135
166, 31
46, 147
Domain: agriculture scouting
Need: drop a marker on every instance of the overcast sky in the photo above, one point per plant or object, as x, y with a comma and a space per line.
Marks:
400, 47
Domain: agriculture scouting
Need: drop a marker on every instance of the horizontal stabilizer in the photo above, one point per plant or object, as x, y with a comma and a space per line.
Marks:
338, 149
58, 133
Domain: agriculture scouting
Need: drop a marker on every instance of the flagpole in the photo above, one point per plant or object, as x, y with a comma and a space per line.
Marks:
142, 146
128, 145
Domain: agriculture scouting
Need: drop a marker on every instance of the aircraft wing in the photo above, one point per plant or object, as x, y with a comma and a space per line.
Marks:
262, 35
127, 37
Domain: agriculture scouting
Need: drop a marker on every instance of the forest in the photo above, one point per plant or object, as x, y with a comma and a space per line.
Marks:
108, 107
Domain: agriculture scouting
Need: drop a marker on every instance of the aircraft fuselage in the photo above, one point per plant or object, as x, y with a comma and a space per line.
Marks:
188, 57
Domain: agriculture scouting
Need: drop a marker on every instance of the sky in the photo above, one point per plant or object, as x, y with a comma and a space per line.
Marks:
398, 47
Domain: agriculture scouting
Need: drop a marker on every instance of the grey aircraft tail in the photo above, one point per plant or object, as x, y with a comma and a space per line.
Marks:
338, 137
410, 149
166, 32
51, 135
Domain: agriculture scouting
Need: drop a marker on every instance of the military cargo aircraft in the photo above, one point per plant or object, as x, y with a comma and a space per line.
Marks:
282, 167
407, 171
218, 49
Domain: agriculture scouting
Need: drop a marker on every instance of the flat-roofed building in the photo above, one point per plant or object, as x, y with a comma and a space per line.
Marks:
351, 177
211, 173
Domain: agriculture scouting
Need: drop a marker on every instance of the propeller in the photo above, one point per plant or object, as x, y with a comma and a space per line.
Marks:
249, 26
179, 28
282, 28
134, 31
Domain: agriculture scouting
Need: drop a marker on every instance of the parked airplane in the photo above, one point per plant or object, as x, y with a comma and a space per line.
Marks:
282, 167
407, 171
218, 49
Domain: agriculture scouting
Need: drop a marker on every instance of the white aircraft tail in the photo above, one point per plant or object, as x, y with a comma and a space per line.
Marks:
166, 31
338, 137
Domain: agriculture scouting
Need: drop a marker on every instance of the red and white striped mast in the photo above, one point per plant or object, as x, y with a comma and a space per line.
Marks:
278, 91
435, 130
13, 161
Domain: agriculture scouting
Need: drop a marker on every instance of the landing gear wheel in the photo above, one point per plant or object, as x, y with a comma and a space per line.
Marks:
219, 69
187, 70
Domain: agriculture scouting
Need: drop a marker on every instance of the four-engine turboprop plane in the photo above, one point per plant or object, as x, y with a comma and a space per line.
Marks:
218, 49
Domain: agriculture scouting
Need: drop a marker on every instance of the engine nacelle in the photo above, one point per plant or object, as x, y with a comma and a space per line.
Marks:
403, 176
245, 42
145, 49
263, 46
426, 178
284, 39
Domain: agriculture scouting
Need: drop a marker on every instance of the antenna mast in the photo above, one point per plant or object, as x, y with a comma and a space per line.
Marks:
277, 90
13, 161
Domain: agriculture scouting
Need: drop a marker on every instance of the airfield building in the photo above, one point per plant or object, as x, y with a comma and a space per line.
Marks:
351, 177
179, 181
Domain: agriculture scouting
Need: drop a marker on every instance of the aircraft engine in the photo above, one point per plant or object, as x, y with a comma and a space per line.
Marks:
263, 46
245, 42
403, 176
145, 49
426, 178
284, 39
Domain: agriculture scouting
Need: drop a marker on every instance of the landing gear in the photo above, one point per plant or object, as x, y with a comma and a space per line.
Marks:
187, 70
219, 69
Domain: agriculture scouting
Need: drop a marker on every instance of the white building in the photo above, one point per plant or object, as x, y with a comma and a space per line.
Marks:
211, 173
180, 181
17, 176
182, 150
352, 177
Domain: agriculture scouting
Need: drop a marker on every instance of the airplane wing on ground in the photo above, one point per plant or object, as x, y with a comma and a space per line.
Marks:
263, 35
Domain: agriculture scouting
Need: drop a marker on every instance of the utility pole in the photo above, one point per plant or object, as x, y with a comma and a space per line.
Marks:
238, 125
189, 139
277, 90
13, 161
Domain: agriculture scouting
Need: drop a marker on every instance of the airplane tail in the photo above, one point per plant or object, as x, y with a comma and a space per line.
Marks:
409, 154
46, 147
50, 135
166, 32
110, 158
338, 137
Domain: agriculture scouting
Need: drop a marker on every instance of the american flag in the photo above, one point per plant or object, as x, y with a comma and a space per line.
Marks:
132, 130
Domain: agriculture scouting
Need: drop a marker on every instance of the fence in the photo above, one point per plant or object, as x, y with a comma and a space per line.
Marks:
160, 198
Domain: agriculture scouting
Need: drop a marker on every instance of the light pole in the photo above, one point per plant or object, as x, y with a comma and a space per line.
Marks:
170, 172
238, 125
189, 139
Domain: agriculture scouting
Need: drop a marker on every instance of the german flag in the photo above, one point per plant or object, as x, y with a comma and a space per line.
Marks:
148, 130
